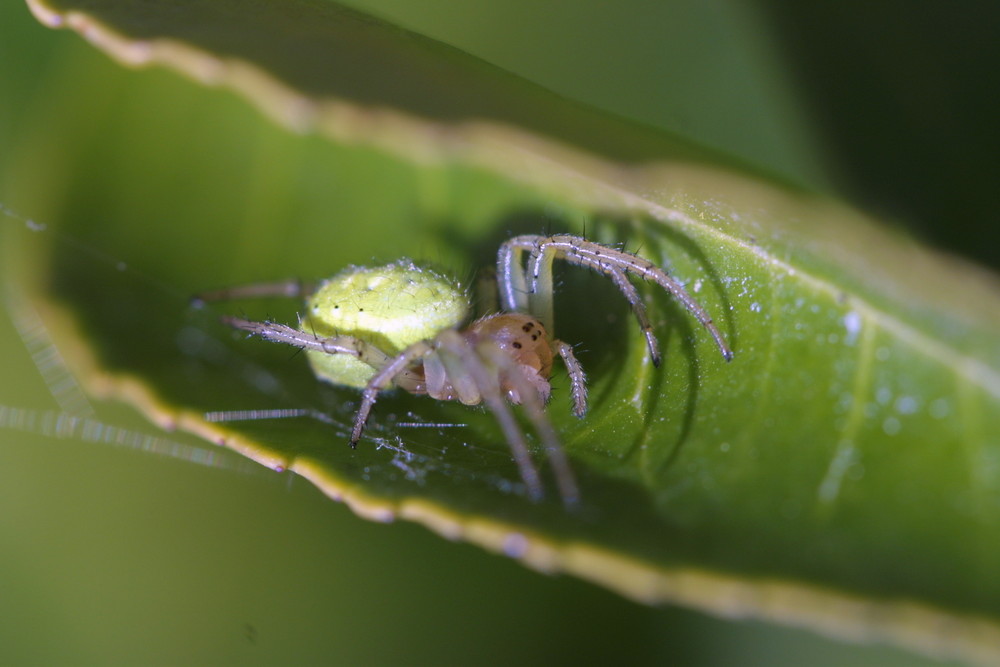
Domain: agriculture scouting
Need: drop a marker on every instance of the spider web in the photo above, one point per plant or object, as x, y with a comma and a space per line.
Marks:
403, 441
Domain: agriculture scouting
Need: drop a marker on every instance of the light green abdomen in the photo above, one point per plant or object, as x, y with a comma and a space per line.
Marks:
389, 306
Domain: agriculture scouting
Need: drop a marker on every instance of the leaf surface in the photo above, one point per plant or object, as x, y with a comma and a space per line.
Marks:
841, 472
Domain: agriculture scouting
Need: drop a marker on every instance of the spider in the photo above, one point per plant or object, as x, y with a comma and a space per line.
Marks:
406, 326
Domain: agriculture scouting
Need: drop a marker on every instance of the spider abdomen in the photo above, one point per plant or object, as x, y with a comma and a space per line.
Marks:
389, 307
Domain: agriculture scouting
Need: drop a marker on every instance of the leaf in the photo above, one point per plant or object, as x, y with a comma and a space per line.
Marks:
840, 473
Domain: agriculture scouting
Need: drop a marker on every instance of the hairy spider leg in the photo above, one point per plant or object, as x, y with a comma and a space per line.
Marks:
577, 378
532, 286
282, 333
450, 343
488, 385
534, 407
382, 380
472, 380
512, 288
467, 372
537, 294
512, 284
362, 350
476, 382
639, 308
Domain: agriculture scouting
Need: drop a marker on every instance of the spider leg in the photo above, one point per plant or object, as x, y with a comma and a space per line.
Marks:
453, 343
282, 333
355, 347
577, 378
383, 380
639, 308
534, 407
291, 288
579, 251
512, 282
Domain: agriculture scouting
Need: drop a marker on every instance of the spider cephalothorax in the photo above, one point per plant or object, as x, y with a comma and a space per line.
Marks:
406, 326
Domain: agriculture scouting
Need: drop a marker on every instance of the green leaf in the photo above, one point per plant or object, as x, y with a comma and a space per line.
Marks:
840, 473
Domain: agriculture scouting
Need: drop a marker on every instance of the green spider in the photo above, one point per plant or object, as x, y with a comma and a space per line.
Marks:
406, 326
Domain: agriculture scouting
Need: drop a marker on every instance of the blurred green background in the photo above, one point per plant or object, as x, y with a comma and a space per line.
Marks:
890, 105
113, 555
